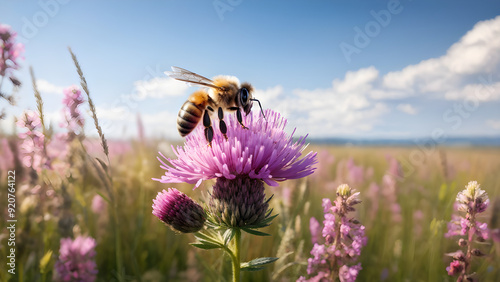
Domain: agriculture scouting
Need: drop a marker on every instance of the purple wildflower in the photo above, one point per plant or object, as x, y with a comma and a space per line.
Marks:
348, 171
6, 155
456, 267
389, 187
10, 51
178, 211
73, 119
323, 167
471, 201
495, 235
344, 237
264, 151
32, 147
349, 274
315, 229
98, 204
355, 174
76, 260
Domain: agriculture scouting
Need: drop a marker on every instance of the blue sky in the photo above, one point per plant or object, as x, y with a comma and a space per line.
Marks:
362, 69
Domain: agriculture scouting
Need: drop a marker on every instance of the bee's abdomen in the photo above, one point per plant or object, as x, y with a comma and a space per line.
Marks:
188, 117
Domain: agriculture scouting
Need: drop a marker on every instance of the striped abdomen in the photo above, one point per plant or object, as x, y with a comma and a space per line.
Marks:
189, 116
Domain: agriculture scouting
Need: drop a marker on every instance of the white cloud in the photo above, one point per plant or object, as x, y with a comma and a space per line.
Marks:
342, 109
479, 92
53, 118
495, 124
356, 81
120, 121
114, 113
46, 87
407, 108
476, 54
163, 124
271, 98
159, 88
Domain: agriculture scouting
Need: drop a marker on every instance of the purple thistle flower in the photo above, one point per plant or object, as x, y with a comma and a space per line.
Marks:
471, 201
178, 211
344, 237
76, 260
264, 151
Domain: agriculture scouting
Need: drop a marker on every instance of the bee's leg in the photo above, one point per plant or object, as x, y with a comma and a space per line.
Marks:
209, 131
240, 118
222, 124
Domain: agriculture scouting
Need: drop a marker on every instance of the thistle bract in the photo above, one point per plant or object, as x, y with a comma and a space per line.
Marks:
238, 202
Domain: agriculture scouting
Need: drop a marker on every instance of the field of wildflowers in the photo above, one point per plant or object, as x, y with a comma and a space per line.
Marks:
266, 207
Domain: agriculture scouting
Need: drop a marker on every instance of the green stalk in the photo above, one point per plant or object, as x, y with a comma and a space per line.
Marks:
236, 255
118, 244
107, 169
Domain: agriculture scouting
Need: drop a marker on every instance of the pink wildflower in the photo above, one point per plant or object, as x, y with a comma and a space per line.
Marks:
76, 260
73, 119
471, 201
10, 51
32, 147
344, 237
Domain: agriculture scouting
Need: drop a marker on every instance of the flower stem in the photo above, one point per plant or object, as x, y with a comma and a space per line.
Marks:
118, 244
236, 255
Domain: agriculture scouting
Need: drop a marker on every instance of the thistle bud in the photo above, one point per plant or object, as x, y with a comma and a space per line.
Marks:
239, 202
178, 211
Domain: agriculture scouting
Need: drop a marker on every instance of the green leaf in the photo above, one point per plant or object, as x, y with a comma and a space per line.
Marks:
103, 164
256, 264
251, 268
104, 197
206, 246
443, 191
46, 262
207, 238
267, 201
228, 235
269, 219
261, 261
255, 232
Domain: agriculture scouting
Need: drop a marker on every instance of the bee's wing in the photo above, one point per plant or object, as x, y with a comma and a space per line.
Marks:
190, 77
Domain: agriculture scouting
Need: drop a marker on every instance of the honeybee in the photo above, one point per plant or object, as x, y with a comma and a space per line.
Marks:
224, 93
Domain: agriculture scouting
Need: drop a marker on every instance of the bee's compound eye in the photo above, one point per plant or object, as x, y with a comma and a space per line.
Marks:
244, 95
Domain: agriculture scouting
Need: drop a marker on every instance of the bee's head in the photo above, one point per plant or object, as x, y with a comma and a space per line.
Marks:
245, 97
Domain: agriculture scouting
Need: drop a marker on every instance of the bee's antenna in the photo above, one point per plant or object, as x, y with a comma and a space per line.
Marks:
260, 106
